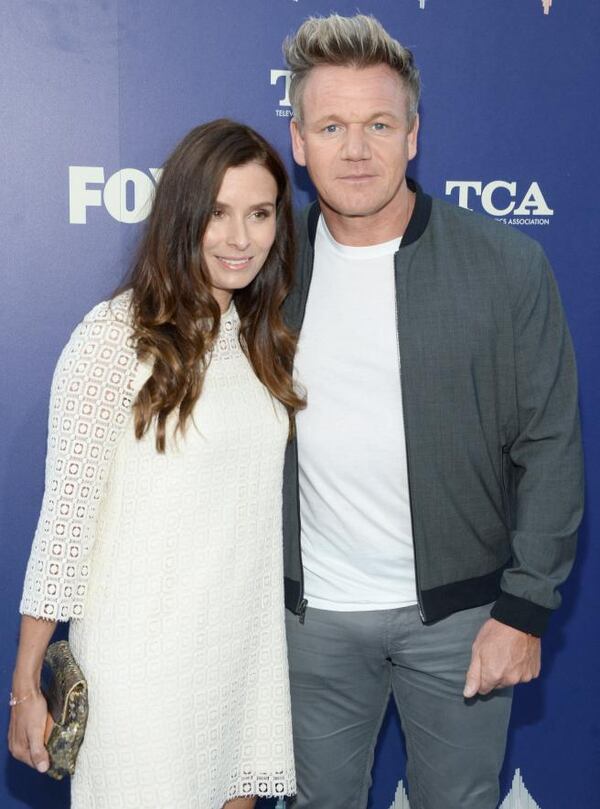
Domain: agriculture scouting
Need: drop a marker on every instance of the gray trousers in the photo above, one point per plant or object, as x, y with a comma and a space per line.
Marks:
343, 668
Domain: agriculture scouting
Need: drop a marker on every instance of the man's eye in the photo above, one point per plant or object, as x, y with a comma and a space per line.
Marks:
379, 127
331, 128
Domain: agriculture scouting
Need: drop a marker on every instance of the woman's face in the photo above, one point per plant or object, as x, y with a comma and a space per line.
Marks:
241, 229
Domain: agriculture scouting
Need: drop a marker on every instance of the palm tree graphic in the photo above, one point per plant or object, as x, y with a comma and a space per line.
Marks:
546, 4
517, 798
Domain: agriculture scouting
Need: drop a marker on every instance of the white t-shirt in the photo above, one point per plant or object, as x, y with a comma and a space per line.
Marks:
354, 503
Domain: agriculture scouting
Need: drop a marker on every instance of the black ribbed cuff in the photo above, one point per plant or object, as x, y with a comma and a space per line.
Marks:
521, 614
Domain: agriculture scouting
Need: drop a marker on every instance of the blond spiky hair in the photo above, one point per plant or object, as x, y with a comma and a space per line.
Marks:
359, 41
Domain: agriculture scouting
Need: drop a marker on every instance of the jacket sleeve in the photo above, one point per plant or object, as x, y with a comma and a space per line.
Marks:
545, 457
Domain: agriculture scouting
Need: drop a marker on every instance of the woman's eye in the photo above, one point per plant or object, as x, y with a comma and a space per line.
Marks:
217, 213
261, 214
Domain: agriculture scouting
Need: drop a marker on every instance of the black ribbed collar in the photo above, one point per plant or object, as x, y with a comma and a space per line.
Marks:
417, 223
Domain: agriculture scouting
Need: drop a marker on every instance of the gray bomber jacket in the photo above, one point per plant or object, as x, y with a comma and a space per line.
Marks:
491, 420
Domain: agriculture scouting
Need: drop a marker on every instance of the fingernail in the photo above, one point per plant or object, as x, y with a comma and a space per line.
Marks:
42, 766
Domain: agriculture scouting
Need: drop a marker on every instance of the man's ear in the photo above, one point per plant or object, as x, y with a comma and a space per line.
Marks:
412, 138
297, 142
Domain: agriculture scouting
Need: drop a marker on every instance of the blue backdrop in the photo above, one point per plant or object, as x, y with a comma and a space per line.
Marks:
95, 93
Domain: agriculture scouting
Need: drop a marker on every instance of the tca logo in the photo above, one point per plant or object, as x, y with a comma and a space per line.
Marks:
126, 195
500, 198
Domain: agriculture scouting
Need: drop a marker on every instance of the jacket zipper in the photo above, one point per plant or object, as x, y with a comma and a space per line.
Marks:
406, 444
302, 603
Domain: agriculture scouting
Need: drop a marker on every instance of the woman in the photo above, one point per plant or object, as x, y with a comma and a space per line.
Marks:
160, 531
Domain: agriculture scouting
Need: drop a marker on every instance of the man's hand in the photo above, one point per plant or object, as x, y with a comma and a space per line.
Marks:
502, 656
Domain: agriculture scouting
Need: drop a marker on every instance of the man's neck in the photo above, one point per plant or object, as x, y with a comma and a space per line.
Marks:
363, 231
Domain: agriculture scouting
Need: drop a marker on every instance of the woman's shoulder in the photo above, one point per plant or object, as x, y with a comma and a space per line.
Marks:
115, 310
104, 330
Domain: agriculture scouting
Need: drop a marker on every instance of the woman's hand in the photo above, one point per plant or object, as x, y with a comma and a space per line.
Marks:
30, 720
27, 731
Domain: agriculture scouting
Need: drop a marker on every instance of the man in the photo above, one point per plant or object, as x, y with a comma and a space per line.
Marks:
433, 492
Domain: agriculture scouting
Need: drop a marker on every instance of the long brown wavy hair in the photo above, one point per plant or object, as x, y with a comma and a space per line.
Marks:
175, 317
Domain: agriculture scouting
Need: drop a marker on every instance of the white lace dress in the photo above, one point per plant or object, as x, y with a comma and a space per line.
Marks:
170, 570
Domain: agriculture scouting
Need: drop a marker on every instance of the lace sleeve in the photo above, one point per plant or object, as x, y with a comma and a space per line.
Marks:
92, 392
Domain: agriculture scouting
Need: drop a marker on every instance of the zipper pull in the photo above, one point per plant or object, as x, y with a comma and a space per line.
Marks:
302, 610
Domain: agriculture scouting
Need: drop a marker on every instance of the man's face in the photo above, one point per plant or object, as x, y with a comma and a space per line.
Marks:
354, 140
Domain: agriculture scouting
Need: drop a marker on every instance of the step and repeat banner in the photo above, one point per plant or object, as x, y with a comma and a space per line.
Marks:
95, 93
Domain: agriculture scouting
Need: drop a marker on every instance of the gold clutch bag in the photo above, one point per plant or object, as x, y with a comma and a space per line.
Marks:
65, 690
